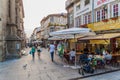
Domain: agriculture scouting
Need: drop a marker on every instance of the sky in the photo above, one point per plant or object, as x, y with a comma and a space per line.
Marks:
36, 10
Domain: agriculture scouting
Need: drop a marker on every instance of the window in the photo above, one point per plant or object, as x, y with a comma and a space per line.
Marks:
78, 22
89, 18
77, 7
87, 2
115, 10
52, 19
98, 15
71, 18
85, 19
52, 29
103, 14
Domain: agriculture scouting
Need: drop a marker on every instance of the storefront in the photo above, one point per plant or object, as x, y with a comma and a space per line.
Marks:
109, 40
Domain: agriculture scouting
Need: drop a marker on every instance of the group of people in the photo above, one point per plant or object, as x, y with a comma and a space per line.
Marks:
102, 57
60, 50
86, 55
33, 50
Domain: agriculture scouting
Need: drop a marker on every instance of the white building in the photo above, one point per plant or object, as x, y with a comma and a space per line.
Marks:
88, 11
52, 22
102, 16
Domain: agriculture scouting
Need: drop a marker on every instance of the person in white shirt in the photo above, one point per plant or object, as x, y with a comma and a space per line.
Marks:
39, 51
52, 49
108, 56
72, 54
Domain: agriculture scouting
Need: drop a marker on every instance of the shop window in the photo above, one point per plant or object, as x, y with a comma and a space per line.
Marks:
115, 10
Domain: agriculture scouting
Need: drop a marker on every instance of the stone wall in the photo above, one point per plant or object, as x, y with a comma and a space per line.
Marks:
10, 23
3, 23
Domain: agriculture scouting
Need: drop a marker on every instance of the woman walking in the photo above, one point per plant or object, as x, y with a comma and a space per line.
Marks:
33, 52
38, 51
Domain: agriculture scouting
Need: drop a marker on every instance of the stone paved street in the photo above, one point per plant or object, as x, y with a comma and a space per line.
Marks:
43, 69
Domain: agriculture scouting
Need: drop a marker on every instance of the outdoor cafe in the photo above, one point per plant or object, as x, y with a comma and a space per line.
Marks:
85, 37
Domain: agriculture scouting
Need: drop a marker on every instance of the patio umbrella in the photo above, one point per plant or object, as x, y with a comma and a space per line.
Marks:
62, 37
73, 32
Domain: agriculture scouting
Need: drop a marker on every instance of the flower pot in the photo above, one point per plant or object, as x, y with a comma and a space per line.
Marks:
105, 20
114, 18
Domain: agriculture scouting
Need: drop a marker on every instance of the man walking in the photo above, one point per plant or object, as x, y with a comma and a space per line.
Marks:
51, 49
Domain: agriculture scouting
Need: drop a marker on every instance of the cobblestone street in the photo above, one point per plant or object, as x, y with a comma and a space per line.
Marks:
43, 69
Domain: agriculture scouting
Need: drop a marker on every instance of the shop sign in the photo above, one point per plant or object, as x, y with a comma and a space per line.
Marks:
111, 24
99, 3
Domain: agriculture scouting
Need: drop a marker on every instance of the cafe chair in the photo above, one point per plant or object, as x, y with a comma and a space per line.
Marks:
100, 64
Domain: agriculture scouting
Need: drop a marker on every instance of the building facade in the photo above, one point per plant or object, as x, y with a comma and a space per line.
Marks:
93, 11
12, 29
70, 13
34, 35
52, 22
102, 16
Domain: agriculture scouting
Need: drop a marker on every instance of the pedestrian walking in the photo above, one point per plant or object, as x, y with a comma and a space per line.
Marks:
39, 51
51, 49
33, 52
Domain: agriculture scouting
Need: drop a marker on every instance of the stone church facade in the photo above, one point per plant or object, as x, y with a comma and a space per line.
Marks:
12, 35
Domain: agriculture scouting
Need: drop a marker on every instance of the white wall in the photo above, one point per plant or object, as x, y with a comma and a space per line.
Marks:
86, 9
83, 9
